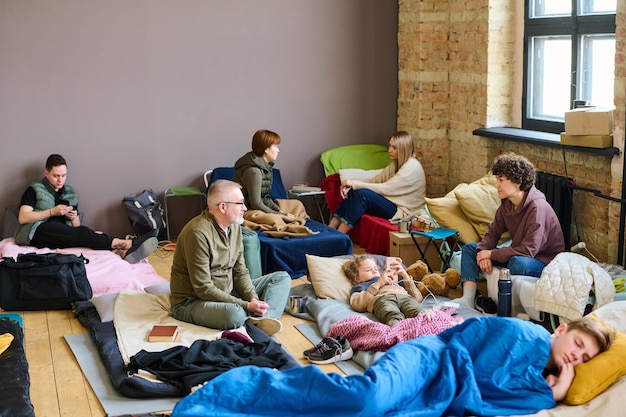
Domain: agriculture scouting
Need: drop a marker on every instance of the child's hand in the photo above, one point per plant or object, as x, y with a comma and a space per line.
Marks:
560, 385
393, 262
552, 380
387, 277
567, 373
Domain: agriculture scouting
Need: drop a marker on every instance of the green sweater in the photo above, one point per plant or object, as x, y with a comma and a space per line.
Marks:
209, 265
255, 176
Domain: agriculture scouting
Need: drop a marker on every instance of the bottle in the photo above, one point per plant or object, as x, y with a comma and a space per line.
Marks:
504, 293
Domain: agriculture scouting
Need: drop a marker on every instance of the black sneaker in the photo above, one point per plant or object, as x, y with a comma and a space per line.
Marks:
307, 352
142, 247
331, 350
345, 345
485, 305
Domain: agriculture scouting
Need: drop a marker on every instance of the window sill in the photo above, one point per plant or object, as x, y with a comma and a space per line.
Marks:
538, 138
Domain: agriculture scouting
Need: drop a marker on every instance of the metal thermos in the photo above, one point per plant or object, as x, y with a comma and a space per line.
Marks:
295, 304
504, 293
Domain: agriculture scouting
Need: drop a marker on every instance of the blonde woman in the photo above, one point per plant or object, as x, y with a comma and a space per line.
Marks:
397, 192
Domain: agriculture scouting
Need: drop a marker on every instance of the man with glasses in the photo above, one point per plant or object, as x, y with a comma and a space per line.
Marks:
210, 283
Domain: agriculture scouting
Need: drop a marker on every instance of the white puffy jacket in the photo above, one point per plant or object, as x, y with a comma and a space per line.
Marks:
565, 283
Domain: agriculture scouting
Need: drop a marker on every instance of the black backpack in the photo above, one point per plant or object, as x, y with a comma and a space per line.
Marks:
144, 212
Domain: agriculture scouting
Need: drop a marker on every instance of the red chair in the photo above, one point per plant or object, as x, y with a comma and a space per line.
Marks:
370, 232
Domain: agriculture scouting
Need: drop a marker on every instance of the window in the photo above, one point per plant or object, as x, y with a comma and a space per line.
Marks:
569, 56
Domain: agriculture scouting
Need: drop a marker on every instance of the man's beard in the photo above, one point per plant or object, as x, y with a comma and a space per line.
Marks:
239, 220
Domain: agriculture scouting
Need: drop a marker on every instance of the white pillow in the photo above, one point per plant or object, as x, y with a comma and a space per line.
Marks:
104, 305
613, 314
358, 174
327, 277
158, 289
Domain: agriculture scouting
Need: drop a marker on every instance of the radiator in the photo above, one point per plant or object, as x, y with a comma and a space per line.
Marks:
559, 194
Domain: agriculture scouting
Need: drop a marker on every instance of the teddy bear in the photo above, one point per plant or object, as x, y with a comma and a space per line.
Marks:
417, 270
438, 283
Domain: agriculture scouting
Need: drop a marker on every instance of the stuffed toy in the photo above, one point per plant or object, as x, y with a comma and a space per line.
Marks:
438, 283
417, 270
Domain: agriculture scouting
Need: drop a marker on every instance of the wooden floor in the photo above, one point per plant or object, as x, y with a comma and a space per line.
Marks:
58, 387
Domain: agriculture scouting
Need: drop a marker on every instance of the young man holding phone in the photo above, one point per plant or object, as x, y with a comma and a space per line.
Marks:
48, 218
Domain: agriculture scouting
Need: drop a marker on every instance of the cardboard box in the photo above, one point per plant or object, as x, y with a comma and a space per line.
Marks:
402, 246
589, 121
588, 141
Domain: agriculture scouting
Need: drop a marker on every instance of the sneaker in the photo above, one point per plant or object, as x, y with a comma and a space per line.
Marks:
142, 247
269, 325
329, 352
345, 345
307, 352
485, 305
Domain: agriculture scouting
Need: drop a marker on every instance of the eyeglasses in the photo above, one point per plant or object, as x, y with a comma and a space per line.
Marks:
241, 203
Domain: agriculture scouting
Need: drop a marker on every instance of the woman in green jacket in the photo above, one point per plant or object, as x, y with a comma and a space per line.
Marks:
254, 172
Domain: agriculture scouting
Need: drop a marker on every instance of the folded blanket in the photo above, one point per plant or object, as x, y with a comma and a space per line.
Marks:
277, 225
365, 334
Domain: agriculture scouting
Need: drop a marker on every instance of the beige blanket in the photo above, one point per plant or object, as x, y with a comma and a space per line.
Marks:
277, 225
136, 312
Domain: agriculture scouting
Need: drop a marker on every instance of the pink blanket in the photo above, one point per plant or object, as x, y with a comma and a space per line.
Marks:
365, 334
106, 271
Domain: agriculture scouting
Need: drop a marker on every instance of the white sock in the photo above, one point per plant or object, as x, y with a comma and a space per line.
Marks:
469, 294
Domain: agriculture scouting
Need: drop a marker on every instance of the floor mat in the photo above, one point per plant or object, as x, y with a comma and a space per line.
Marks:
311, 332
113, 403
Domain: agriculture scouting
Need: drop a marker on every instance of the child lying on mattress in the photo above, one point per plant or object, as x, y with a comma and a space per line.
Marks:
484, 366
381, 293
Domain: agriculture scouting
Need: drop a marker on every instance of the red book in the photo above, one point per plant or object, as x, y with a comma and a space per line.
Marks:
161, 333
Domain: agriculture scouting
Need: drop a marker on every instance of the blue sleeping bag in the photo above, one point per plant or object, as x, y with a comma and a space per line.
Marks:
484, 366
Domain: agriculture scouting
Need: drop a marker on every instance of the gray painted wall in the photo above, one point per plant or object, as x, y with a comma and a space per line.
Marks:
151, 93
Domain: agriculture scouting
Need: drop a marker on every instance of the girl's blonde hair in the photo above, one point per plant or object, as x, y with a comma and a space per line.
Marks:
351, 267
405, 146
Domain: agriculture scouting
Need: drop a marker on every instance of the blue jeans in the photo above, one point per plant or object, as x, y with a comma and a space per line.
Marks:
363, 201
272, 288
518, 265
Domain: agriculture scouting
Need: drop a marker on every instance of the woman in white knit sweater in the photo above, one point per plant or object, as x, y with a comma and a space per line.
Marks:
397, 192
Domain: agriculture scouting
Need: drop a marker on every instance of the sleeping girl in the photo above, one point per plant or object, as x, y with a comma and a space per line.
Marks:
382, 294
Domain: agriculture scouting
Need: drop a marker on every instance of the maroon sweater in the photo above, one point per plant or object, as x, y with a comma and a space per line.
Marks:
534, 228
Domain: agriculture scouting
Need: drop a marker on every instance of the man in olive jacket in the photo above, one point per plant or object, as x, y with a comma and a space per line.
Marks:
210, 283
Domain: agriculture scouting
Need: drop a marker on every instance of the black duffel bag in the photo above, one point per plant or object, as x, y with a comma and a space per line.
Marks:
46, 281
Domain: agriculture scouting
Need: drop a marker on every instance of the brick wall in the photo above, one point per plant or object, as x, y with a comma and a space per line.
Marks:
457, 67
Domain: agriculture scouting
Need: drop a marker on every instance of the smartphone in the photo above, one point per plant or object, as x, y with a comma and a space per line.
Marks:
65, 203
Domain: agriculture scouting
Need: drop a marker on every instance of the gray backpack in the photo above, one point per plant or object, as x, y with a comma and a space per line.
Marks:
144, 212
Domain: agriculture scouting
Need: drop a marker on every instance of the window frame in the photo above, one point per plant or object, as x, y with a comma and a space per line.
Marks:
574, 26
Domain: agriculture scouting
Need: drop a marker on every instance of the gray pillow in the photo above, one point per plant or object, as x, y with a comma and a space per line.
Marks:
104, 305
158, 289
